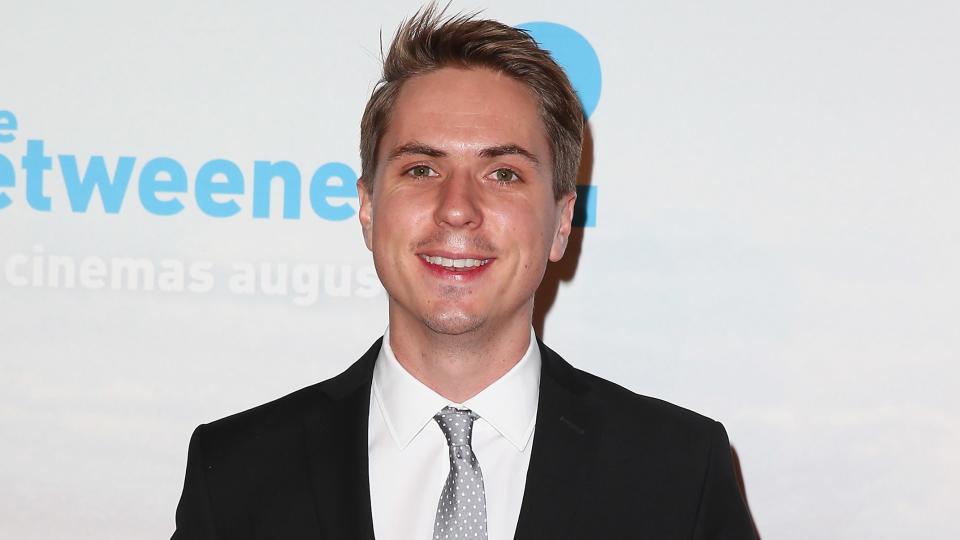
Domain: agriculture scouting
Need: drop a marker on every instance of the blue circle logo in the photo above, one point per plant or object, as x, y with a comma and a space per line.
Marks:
575, 55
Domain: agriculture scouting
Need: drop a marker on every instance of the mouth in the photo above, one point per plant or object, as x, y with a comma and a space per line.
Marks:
457, 265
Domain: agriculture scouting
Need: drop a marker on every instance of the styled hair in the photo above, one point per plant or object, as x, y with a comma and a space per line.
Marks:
429, 41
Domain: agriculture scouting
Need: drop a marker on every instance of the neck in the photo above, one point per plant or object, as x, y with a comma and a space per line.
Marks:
458, 366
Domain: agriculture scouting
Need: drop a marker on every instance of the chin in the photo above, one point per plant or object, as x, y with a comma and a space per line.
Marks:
452, 324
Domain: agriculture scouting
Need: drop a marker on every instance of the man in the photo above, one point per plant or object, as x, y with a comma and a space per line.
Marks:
459, 423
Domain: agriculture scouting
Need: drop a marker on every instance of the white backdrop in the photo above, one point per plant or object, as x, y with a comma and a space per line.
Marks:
776, 243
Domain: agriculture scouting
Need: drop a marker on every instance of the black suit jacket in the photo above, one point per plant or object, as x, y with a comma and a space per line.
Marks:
605, 464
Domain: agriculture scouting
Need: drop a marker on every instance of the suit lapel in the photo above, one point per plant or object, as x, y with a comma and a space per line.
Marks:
336, 445
563, 453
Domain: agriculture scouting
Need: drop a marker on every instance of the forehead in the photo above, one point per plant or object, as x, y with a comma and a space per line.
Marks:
456, 107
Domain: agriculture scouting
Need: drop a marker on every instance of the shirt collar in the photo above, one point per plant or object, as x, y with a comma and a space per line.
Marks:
509, 405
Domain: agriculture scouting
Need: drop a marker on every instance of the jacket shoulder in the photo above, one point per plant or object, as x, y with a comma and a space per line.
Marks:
631, 418
621, 401
255, 423
614, 398
286, 414
676, 461
259, 459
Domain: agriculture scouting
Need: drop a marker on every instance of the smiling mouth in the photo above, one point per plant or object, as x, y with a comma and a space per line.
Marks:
454, 264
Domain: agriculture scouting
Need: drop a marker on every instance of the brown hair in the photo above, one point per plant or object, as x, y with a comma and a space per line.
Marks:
429, 41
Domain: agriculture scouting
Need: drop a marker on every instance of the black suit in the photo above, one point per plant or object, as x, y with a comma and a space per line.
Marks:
605, 464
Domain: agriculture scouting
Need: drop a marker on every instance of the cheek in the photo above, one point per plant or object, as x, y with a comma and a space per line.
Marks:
396, 223
529, 232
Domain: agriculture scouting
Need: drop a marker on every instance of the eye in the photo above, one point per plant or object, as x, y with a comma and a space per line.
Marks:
421, 171
505, 176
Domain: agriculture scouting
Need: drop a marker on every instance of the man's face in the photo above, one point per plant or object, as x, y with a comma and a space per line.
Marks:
462, 217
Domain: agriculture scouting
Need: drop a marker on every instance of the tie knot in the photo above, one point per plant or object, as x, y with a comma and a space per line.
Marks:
456, 424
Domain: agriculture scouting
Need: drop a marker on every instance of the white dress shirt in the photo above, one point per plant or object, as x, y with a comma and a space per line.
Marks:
408, 452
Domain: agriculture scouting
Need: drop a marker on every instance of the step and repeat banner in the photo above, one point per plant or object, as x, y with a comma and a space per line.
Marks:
767, 232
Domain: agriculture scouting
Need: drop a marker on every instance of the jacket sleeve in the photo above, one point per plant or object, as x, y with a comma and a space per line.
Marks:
194, 515
722, 513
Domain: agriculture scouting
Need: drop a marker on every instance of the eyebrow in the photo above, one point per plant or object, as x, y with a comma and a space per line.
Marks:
509, 150
415, 148
420, 149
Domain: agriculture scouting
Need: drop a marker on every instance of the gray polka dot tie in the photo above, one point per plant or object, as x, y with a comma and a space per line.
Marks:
462, 510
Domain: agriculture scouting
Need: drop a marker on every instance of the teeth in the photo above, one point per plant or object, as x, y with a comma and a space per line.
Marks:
455, 263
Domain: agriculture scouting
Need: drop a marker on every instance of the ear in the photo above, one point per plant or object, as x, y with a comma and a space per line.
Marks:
564, 225
365, 213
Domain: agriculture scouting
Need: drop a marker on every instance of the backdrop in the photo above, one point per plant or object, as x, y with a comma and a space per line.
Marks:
769, 235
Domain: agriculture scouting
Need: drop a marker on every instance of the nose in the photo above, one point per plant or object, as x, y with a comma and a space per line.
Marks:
458, 202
